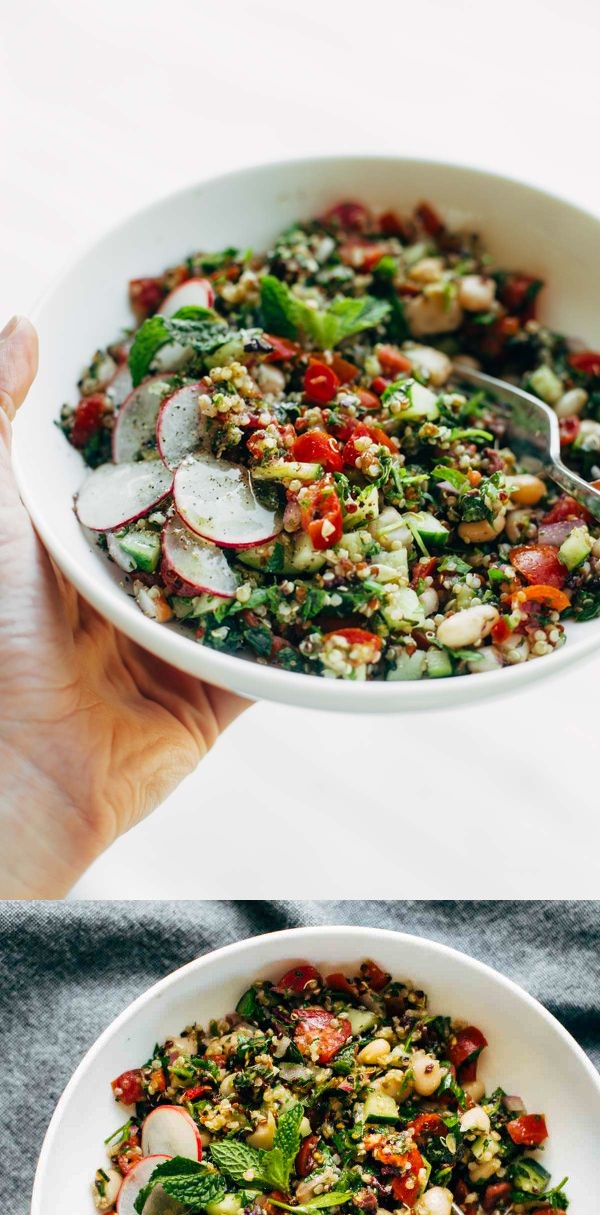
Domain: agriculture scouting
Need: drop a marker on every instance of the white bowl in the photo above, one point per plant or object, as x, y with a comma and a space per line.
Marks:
523, 227
529, 1052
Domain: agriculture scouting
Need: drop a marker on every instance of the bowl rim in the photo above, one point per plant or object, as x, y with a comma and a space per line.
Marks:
237, 672
283, 937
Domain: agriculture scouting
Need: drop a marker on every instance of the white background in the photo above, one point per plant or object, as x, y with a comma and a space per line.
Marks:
105, 105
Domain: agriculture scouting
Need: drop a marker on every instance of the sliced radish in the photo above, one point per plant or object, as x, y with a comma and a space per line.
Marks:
115, 494
192, 566
135, 427
159, 1202
136, 1179
120, 386
196, 292
216, 500
179, 426
171, 1130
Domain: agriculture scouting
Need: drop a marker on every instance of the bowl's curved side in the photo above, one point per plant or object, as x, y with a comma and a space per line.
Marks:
543, 1062
522, 225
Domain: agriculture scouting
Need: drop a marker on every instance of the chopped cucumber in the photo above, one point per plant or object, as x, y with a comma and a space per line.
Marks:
530, 1176
480, 1145
364, 508
360, 1020
576, 548
186, 608
408, 666
391, 567
389, 529
438, 664
380, 1108
229, 1204
402, 606
546, 384
422, 407
143, 547
287, 470
430, 529
297, 556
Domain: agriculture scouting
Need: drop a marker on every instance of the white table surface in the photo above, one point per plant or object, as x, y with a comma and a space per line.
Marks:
105, 105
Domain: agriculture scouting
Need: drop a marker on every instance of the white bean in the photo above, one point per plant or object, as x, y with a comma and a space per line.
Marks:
517, 524
427, 270
476, 293
481, 530
475, 1119
525, 489
427, 1073
571, 402
436, 1201
430, 600
396, 1084
434, 363
110, 1184
467, 627
432, 314
374, 1052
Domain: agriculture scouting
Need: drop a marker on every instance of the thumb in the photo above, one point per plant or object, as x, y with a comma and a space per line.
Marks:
18, 364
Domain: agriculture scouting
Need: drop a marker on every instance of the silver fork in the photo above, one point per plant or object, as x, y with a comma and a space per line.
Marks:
533, 434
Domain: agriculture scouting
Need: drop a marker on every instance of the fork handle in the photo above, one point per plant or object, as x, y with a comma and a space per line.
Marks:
576, 486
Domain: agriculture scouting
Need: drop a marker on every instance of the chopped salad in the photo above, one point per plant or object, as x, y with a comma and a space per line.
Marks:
283, 464
335, 1093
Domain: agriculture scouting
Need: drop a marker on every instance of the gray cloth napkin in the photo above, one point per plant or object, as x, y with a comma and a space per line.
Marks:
66, 969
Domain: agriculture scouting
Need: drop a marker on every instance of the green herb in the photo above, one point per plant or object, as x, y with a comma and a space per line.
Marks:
454, 565
179, 1166
247, 1005
453, 476
285, 314
120, 1134
278, 307
344, 1061
272, 1168
237, 1159
333, 1198
195, 1191
556, 1199
203, 335
275, 561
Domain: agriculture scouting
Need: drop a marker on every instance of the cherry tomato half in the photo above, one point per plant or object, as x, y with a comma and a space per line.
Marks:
529, 1130
370, 971
298, 978
320, 383
321, 514
318, 447
316, 1025
356, 637
586, 361
282, 349
539, 564
466, 1044
569, 429
392, 361
128, 1087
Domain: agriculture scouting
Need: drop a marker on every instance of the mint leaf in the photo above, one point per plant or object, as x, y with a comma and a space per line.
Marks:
341, 320
195, 1191
178, 1166
278, 307
276, 1169
194, 312
453, 476
148, 340
235, 1159
287, 1136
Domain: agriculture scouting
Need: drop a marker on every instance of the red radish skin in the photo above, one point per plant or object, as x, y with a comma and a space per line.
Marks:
135, 1181
116, 494
169, 1126
192, 566
215, 499
197, 292
178, 429
135, 426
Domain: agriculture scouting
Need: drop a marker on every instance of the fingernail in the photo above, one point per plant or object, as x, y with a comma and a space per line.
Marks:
10, 326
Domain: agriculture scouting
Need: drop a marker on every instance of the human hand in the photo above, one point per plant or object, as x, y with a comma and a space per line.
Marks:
94, 732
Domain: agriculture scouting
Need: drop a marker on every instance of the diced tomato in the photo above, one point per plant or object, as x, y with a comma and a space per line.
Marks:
318, 446
465, 1045
282, 350
319, 506
370, 971
468, 1071
375, 433
508, 326
350, 215
356, 637
429, 218
264, 1201
569, 429
145, 295
88, 419
496, 1193
423, 569
528, 1130
427, 1124
501, 631
361, 254
539, 564
128, 1158
367, 399
566, 508
586, 361
305, 1159
345, 371
316, 1025
128, 1087
379, 384
298, 978
518, 293
196, 1092
320, 383
556, 600
406, 1188
392, 361
392, 224
338, 982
